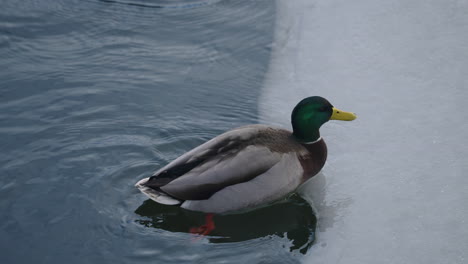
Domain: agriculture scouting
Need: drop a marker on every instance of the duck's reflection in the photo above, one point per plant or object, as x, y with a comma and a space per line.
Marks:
293, 218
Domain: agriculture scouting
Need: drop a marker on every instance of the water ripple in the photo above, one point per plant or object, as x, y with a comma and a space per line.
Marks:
95, 95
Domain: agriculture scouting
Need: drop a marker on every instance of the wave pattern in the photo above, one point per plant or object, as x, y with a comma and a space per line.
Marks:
95, 95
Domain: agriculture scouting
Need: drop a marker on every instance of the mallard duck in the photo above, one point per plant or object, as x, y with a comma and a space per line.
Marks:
249, 166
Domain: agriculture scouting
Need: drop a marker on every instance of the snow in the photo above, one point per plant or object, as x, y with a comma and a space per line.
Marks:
395, 186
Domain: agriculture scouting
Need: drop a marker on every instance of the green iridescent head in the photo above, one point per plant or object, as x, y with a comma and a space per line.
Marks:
311, 113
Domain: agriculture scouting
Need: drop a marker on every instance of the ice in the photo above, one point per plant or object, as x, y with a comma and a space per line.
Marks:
395, 186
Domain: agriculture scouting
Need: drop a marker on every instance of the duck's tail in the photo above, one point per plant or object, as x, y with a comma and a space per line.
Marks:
156, 195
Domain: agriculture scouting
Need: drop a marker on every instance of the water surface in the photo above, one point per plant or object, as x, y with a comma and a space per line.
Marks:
95, 95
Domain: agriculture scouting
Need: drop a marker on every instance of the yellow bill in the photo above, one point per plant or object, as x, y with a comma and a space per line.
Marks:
342, 115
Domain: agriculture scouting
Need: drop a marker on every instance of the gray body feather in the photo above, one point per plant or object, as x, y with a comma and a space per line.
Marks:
241, 169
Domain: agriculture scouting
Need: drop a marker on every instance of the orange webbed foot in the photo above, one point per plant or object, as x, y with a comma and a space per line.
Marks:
206, 228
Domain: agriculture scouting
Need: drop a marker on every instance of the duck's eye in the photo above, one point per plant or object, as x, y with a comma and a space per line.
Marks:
323, 109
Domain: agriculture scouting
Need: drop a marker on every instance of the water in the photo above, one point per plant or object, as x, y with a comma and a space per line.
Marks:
394, 188
95, 95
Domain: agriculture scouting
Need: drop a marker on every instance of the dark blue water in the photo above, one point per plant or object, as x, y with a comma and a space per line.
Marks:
95, 95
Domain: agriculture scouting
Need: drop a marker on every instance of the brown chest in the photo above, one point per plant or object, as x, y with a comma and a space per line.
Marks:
314, 160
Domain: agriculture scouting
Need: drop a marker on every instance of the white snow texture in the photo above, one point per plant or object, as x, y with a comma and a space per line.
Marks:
395, 186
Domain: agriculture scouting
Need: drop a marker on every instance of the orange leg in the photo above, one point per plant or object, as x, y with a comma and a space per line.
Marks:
206, 228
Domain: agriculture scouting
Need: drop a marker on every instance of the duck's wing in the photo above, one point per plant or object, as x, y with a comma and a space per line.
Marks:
275, 183
226, 160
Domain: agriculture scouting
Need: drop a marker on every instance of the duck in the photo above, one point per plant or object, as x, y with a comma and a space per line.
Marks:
247, 167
